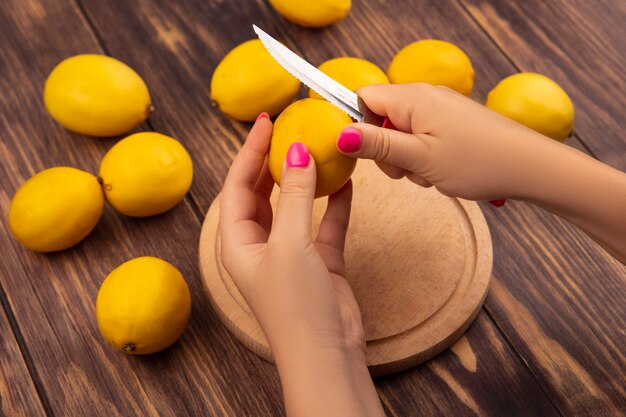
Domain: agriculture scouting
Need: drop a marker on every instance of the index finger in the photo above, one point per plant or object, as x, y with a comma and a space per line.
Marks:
238, 201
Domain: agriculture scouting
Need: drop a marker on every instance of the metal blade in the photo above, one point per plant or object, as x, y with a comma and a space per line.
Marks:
321, 83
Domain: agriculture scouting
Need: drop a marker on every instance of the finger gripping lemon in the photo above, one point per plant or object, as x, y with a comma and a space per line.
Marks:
143, 306
249, 81
434, 62
312, 13
352, 73
96, 95
536, 101
146, 174
317, 124
55, 209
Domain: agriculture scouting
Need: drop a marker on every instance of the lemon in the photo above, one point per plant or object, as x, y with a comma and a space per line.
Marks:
317, 124
55, 209
312, 13
143, 306
352, 73
249, 81
536, 101
146, 174
96, 95
434, 62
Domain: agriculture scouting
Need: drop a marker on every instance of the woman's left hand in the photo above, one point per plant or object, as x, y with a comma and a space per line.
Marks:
294, 284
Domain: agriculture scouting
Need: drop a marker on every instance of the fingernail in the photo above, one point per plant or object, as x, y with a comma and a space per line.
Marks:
298, 155
263, 115
349, 140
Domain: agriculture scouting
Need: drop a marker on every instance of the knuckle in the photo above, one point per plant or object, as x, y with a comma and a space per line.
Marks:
383, 148
423, 88
294, 189
423, 155
427, 91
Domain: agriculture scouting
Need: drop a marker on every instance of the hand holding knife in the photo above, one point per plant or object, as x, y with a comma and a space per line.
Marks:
331, 90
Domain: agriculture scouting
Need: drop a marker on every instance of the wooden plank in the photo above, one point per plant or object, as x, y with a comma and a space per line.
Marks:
18, 395
560, 302
52, 296
479, 375
183, 42
578, 43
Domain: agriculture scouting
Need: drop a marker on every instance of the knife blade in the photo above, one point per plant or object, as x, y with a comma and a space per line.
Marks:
321, 83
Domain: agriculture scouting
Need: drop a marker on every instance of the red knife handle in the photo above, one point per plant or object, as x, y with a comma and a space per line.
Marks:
498, 203
388, 125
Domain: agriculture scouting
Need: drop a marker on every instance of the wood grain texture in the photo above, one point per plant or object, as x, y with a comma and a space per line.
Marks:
411, 310
191, 40
52, 296
558, 298
563, 312
578, 43
18, 395
478, 376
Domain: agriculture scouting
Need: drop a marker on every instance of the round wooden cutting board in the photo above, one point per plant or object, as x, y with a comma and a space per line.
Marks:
419, 264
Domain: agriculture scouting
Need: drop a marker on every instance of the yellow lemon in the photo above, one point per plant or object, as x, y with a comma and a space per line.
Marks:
249, 81
55, 209
96, 95
146, 174
317, 124
143, 306
352, 73
312, 13
434, 62
536, 101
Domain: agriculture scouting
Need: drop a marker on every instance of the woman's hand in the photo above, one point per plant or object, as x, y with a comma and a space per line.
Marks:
469, 151
294, 284
453, 143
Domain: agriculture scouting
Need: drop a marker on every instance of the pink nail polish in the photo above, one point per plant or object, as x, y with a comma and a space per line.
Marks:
298, 155
263, 115
349, 140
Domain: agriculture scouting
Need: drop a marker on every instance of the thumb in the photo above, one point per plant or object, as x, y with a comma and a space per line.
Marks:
297, 192
392, 147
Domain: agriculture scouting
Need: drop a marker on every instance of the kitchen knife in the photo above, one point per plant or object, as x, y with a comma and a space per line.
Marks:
321, 83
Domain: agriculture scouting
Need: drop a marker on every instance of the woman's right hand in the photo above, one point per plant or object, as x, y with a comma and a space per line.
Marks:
445, 139
469, 151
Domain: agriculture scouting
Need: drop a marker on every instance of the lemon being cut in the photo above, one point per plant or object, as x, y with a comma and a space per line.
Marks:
434, 62
352, 73
536, 101
249, 81
143, 306
96, 95
317, 124
55, 209
146, 174
312, 13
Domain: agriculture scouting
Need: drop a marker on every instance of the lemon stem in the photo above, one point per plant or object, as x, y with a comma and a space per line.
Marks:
129, 347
